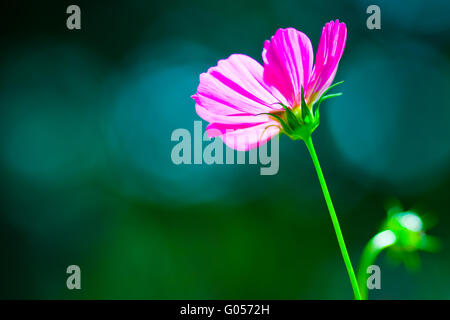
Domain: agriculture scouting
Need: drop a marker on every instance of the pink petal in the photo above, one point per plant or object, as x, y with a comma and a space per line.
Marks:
234, 92
244, 137
331, 47
288, 60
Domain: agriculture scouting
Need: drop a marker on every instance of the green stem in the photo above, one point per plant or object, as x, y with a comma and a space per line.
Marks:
370, 253
368, 258
334, 219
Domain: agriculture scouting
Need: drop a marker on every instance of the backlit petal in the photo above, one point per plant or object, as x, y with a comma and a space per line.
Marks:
288, 60
244, 137
234, 92
331, 47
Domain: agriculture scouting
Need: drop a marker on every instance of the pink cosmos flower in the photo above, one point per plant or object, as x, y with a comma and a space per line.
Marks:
238, 95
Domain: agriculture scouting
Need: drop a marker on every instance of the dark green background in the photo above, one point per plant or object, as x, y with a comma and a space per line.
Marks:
86, 176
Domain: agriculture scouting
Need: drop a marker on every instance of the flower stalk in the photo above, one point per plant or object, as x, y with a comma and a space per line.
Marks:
334, 219
373, 248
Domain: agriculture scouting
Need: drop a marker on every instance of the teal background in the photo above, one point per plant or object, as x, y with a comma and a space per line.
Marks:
86, 176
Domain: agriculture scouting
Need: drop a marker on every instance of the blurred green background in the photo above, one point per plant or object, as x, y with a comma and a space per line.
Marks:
86, 176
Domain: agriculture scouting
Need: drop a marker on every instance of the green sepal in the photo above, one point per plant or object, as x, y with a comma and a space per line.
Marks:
332, 86
306, 112
316, 123
324, 97
328, 96
291, 118
316, 113
286, 128
262, 133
